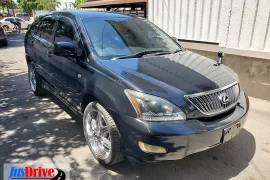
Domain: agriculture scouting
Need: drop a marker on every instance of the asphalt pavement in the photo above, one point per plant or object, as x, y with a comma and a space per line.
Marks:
42, 129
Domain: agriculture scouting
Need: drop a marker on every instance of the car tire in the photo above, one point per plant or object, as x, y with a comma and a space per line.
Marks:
35, 81
115, 154
6, 28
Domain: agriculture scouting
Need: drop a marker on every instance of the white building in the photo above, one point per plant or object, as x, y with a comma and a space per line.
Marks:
65, 4
239, 24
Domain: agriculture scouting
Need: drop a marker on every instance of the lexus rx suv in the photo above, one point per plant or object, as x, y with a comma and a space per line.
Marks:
140, 94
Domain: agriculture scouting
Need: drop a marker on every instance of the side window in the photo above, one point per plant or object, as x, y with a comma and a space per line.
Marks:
64, 32
9, 19
35, 25
18, 19
45, 29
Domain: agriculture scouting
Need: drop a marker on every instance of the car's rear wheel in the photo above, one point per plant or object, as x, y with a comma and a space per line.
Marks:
101, 134
35, 80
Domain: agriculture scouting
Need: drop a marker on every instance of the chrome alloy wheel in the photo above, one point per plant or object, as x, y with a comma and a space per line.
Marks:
32, 79
98, 134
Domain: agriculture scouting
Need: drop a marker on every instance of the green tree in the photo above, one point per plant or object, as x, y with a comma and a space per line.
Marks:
77, 2
8, 4
13, 5
28, 6
49, 5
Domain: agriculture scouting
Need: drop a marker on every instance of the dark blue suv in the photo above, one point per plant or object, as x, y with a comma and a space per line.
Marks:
141, 95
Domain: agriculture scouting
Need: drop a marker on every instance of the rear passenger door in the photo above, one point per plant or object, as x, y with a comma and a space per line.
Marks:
43, 46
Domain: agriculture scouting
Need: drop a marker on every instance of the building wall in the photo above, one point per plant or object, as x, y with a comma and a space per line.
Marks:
243, 24
65, 4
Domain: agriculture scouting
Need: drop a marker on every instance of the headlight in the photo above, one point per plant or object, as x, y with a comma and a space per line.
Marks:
152, 108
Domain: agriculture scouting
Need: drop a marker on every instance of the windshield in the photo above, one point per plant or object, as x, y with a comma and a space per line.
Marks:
115, 37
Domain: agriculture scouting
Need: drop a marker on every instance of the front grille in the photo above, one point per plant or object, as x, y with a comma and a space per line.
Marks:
216, 101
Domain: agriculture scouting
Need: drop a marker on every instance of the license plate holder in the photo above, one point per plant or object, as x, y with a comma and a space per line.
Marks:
230, 132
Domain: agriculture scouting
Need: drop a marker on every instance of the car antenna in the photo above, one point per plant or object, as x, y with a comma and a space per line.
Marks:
220, 58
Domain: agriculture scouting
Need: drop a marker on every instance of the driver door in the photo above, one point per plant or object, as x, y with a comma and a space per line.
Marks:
68, 73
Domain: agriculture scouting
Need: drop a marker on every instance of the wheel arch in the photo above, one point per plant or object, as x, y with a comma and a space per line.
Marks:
87, 98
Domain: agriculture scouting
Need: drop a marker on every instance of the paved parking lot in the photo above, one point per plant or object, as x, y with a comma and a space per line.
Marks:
36, 129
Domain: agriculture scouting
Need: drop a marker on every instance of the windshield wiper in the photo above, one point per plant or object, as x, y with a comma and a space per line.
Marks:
168, 52
140, 54
179, 50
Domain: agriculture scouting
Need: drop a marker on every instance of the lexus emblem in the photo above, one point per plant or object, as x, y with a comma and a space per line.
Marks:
224, 98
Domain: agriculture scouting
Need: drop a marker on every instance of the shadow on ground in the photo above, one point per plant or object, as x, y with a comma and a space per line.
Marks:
43, 129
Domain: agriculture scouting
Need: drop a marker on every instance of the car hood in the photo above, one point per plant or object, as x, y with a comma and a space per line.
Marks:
169, 75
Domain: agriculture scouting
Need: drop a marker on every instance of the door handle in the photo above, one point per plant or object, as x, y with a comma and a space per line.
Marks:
49, 53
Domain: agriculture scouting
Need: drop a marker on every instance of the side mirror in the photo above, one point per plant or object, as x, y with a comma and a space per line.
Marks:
175, 39
65, 49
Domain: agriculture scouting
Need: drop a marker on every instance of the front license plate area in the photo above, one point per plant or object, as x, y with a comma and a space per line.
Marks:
230, 132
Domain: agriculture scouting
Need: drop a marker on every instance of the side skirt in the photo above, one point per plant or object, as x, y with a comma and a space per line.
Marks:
52, 90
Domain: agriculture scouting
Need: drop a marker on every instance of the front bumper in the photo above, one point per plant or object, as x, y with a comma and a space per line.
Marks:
178, 138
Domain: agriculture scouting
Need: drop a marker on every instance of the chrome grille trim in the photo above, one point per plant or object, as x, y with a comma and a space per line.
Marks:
208, 102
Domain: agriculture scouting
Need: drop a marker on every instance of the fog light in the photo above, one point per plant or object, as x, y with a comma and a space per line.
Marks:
150, 148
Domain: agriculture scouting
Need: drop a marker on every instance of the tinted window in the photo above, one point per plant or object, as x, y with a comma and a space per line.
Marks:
64, 32
113, 37
9, 19
18, 19
35, 25
45, 29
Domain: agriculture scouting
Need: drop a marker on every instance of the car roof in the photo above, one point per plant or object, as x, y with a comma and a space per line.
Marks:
6, 18
87, 13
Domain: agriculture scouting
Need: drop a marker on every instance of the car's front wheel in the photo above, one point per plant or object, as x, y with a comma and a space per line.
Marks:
35, 80
101, 134
6, 28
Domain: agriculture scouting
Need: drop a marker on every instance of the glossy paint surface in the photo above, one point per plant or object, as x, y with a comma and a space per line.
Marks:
85, 78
